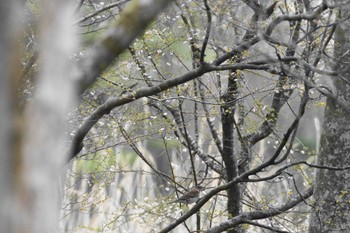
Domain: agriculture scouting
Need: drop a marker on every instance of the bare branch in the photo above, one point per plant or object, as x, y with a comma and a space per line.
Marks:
130, 24
272, 229
90, 121
211, 125
242, 217
139, 153
207, 32
107, 7
260, 214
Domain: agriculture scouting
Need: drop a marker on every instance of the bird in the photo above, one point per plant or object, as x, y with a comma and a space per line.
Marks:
190, 196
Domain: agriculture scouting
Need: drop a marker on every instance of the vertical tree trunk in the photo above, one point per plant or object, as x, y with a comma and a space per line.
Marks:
32, 139
332, 188
44, 150
230, 159
7, 160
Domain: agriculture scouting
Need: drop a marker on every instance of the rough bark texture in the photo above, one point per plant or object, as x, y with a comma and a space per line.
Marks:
332, 188
228, 156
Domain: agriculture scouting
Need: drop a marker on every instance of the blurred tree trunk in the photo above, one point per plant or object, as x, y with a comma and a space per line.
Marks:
34, 138
46, 135
7, 123
332, 188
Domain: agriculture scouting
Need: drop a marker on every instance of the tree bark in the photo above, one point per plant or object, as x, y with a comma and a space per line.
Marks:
228, 155
33, 139
7, 160
331, 212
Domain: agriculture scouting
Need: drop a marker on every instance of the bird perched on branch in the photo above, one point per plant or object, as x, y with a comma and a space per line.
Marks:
190, 196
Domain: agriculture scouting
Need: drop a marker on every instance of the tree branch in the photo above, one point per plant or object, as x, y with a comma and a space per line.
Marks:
106, 108
132, 21
107, 7
207, 32
260, 214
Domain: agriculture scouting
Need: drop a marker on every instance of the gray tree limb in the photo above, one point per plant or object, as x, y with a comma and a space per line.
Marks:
260, 214
130, 24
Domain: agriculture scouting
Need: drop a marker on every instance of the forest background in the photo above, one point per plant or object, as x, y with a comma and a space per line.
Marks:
109, 110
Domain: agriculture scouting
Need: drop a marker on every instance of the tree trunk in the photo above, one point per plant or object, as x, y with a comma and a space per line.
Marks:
332, 188
230, 159
32, 137
7, 160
